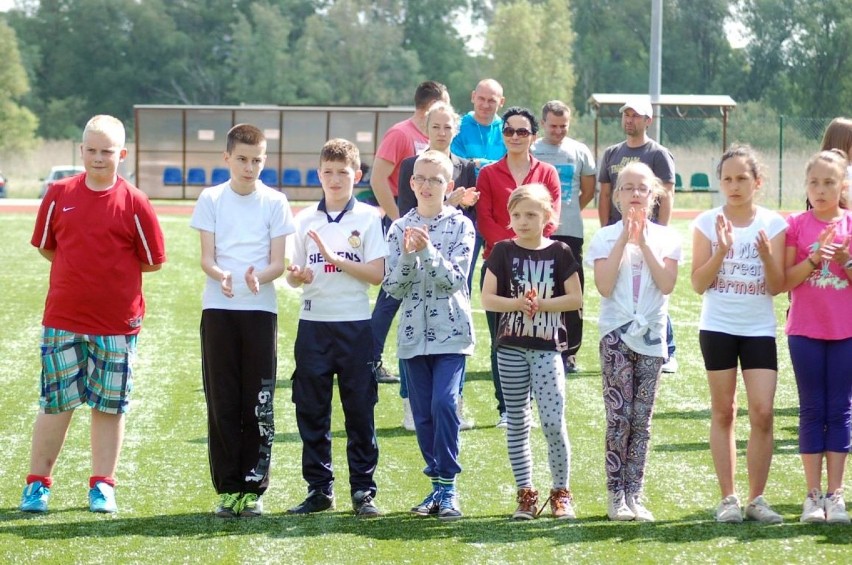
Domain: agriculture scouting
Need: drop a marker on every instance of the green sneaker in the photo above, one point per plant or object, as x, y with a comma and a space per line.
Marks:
251, 505
229, 505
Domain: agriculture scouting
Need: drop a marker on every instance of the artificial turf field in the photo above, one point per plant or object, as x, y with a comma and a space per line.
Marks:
165, 495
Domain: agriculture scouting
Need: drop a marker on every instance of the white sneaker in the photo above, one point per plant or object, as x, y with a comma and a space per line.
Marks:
670, 366
813, 509
729, 510
464, 424
759, 510
502, 422
617, 508
407, 416
835, 508
640, 513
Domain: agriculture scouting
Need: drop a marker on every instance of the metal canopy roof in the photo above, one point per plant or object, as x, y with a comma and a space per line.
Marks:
674, 105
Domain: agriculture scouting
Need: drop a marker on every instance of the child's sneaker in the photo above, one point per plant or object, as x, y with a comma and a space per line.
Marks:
102, 498
382, 375
502, 422
670, 366
35, 497
571, 366
527, 504
729, 510
363, 505
407, 416
813, 509
464, 424
316, 501
835, 508
449, 506
430, 505
617, 508
251, 505
562, 504
640, 513
758, 509
228, 506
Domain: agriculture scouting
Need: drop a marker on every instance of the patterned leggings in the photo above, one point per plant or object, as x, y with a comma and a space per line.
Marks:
521, 371
629, 389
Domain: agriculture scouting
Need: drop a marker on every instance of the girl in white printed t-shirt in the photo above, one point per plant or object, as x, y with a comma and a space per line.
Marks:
738, 266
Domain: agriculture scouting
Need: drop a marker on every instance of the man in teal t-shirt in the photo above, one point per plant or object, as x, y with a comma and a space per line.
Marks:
480, 136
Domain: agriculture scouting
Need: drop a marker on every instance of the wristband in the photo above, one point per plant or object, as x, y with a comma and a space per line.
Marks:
811, 261
848, 264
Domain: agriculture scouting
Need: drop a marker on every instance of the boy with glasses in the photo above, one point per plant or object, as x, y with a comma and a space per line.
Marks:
428, 262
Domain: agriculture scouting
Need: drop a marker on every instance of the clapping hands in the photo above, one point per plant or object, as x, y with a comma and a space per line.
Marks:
415, 239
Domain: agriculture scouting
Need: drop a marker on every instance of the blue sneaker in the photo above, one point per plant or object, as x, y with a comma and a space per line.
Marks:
430, 505
102, 498
35, 497
449, 506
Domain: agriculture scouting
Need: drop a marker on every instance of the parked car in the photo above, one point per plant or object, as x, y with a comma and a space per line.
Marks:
2, 185
57, 173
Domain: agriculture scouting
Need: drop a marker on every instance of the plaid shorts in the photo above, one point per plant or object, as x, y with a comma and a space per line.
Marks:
92, 369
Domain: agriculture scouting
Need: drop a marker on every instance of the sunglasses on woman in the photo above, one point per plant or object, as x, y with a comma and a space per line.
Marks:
509, 131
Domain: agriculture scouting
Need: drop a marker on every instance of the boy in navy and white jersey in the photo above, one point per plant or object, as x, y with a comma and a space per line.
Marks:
339, 252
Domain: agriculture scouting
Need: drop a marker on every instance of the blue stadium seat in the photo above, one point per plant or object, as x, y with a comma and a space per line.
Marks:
196, 175
312, 178
219, 175
678, 182
699, 182
291, 177
172, 176
269, 177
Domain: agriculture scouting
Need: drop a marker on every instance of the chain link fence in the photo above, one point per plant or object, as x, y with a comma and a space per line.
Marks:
783, 143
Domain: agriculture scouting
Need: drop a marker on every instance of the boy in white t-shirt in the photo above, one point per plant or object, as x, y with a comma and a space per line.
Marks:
243, 224
339, 252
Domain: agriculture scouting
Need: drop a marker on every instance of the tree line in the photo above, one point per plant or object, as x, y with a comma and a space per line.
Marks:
68, 59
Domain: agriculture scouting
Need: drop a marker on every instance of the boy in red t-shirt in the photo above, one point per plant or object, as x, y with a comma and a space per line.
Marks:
100, 234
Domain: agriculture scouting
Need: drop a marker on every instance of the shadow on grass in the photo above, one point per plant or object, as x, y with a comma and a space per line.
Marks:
403, 526
704, 414
293, 437
477, 376
785, 446
486, 375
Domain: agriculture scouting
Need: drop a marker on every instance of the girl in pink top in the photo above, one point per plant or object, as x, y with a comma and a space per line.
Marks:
819, 329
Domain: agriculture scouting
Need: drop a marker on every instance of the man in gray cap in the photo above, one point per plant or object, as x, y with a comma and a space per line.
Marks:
636, 116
